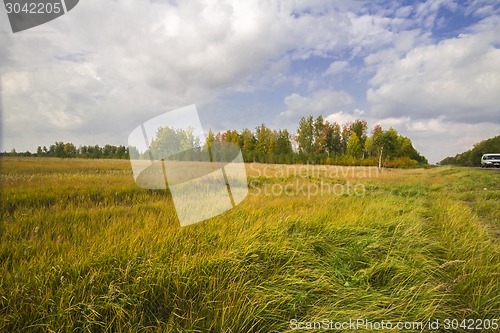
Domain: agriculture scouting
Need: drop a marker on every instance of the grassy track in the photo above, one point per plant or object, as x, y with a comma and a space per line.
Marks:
83, 249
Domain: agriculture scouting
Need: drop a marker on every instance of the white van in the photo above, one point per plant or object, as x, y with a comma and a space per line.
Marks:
490, 160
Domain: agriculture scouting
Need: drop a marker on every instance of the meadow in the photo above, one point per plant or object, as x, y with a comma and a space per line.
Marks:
84, 249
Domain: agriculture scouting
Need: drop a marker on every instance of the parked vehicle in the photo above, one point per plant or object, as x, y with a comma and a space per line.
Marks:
490, 160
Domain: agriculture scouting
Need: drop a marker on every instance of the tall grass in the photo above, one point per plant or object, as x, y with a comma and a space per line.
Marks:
83, 249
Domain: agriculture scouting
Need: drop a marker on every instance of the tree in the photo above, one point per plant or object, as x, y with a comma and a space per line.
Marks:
472, 157
305, 135
263, 144
354, 147
316, 141
273, 144
371, 147
134, 153
209, 140
368, 148
385, 144
97, 152
333, 139
319, 136
121, 152
247, 141
283, 144
57, 149
360, 127
186, 138
176, 142
391, 139
69, 150
346, 132
233, 137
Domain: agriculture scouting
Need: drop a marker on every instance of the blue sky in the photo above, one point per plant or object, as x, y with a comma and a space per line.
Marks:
430, 69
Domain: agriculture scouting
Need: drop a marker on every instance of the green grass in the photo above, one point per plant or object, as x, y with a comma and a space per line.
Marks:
83, 249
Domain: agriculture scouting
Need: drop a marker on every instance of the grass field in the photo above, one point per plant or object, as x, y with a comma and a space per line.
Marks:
83, 249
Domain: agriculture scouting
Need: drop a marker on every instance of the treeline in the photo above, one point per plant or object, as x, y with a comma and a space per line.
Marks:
316, 142
68, 150
320, 142
472, 157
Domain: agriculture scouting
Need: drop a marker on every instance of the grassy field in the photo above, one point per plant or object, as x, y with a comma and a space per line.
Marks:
83, 249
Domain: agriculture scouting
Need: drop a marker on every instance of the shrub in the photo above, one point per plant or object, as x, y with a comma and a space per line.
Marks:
401, 162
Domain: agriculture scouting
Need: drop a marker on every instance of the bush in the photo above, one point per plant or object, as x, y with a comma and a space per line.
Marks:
369, 161
401, 162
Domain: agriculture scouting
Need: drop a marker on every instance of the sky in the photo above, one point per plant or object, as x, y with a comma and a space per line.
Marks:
429, 69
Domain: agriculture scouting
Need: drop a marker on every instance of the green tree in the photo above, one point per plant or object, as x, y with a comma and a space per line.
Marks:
121, 152
354, 147
345, 133
263, 144
57, 149
371, 146
333, 139
69, 150
176, 142
385, 144
368, 148
360, 127
319, 135
247, 140
165, 143
472, 157
305, 135
283, 144
96, 152
273, 145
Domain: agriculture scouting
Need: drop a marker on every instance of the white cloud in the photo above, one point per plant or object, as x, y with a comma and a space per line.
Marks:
336, 67
368, 33
458, 78
437, 138
403, 11
320, 102
15, 82
433, 125
104, 76
106, 66
343, 118
394, 122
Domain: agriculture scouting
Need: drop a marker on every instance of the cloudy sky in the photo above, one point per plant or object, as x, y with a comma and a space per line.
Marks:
430, 69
